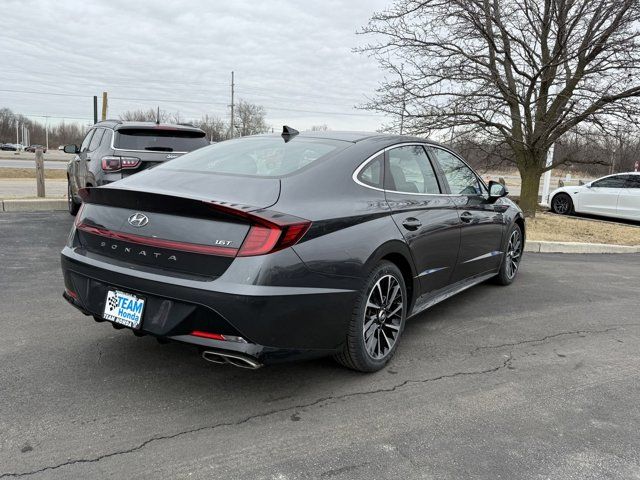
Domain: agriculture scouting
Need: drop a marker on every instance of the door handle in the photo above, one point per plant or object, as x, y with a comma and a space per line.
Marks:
411, 223
467, 217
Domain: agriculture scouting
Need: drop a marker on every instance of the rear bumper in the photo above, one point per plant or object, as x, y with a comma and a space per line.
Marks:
278, 322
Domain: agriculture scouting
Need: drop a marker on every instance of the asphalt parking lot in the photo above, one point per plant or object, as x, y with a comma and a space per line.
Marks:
537, 380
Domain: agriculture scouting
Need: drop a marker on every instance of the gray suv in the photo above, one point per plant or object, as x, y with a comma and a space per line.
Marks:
115, 149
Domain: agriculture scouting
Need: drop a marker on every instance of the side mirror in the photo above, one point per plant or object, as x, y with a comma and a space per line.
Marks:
71, 149
496, 191
588, 185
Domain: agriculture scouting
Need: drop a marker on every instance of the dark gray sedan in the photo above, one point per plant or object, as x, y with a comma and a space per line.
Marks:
279, 247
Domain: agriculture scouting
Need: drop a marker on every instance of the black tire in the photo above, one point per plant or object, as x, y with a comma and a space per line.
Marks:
384, 327
562, 204
512, 256
72, 205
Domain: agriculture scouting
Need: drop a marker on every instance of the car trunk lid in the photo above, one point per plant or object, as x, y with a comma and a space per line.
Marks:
188, 224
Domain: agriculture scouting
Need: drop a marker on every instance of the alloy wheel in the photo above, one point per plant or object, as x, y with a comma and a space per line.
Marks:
383, 317
514, 253
561, 204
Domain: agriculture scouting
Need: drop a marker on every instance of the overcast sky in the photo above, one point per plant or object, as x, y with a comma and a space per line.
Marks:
293, 57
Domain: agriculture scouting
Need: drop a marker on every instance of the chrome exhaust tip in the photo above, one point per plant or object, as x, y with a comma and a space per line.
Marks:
239, 361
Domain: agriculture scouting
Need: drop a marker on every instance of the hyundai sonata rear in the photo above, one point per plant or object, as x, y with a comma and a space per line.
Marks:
270, 248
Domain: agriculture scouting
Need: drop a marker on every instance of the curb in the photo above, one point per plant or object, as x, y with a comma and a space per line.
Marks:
33, 204
538, 246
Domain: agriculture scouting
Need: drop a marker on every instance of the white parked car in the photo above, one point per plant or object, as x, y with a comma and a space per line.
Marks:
612, 196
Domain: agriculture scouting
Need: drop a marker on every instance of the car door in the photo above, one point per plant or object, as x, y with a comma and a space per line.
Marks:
78, 162
482, 222
427, 217
629, 198
85, 175
600, 197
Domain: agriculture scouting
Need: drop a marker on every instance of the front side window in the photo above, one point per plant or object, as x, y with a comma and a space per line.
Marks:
617, 181
87, 139
410, 171
258, 156
372, 174
461, 179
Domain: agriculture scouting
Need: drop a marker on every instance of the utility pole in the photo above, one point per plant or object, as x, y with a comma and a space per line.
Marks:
95, 109
232, 126
46, 132
104, 105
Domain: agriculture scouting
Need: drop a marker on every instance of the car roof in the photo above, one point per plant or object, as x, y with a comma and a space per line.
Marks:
124, 124
355, 136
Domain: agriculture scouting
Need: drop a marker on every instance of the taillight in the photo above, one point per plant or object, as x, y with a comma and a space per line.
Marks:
269, 232
263, 239
114, 164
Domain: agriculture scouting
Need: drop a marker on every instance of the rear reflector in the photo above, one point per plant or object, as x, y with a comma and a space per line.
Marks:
71, 293
218, 336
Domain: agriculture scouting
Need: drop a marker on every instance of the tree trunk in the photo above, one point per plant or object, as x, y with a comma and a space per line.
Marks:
529, 190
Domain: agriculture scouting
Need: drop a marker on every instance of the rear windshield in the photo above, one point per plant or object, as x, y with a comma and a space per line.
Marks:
159, 140
258, 156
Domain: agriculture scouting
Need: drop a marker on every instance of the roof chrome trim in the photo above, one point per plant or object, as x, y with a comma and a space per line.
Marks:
391, 147
408, 144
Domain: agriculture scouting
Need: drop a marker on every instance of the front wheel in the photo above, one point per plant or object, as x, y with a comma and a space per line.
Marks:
72, 205
511, 257
562, 204
377, 320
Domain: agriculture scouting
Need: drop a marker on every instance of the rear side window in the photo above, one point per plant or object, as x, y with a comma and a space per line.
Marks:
461, 179
410, 171
159, 140
95, 140
372, 174
257, 156
106, 138
85, 142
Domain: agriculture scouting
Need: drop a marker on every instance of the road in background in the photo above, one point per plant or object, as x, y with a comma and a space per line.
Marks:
56, 155
48, 164
537, 380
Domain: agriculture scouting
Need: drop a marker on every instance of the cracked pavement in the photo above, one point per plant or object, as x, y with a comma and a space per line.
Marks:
536, 380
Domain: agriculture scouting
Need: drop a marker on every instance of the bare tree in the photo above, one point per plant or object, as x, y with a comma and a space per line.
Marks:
518, 72
215, 128
149, 115
250, 119
59, 134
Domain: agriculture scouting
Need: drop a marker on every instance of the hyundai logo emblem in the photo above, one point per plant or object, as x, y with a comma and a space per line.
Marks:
138, 219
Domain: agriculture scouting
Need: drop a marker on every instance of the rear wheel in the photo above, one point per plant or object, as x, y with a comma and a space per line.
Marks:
377, 320
512, 256
71, 203
562, 204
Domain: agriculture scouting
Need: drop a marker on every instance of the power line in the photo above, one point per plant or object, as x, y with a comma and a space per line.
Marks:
264, 92
197, 102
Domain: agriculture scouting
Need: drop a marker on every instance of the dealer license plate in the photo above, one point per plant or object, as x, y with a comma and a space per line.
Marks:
123, 308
